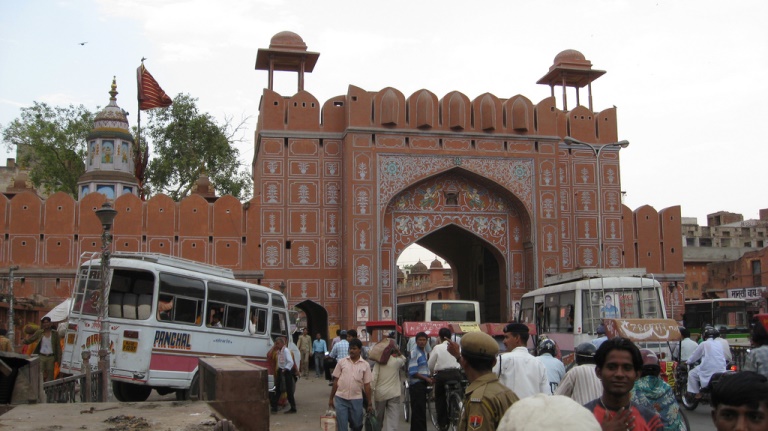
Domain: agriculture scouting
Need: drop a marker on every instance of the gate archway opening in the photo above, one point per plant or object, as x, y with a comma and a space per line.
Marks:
478, 270
317, 318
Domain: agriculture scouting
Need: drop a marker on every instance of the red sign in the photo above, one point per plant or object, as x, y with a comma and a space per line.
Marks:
410, 329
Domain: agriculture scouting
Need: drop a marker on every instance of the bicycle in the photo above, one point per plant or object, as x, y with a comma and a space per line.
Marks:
454, 398
405, 397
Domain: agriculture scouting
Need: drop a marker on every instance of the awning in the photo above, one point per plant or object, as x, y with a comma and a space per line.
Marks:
60, 312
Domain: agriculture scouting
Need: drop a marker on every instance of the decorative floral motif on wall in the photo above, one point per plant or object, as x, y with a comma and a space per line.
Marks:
396, 172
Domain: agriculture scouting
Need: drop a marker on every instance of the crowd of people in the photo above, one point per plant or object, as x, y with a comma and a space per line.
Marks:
612, 384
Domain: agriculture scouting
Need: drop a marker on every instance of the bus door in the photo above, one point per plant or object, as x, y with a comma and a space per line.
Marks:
539, 313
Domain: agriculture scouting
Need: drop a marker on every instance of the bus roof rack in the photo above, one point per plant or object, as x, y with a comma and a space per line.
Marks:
176, 262
587, 273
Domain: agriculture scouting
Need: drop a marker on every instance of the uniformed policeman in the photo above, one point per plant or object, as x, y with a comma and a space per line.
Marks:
485, 400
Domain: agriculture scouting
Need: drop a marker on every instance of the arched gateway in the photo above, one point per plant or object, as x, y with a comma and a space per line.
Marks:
467, 211
491, 184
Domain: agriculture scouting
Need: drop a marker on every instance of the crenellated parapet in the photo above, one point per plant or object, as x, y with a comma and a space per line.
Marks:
422, 112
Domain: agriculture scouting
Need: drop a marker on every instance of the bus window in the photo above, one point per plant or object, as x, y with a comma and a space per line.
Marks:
258, 323
565, 312
526, 310
279, 325
226, 306
277, 301
258, 297
649, 304
452, 312
590, 312
628, 304
180, 299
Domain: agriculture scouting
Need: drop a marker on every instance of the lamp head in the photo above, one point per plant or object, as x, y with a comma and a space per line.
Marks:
106, 215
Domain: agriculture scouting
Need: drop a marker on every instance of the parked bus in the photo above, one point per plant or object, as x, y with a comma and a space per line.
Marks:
728, 316
571, 306
439, 311
164, 313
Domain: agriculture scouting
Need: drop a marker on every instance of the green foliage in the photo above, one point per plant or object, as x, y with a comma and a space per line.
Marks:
51, 143
187, 143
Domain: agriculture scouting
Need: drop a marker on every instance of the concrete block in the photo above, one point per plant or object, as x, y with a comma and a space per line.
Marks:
237, 390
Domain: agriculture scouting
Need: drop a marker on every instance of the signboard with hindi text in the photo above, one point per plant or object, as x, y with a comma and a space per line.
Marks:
643, 330
748, 293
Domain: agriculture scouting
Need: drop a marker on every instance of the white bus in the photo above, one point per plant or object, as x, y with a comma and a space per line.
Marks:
439, 311
164, 313
572, 305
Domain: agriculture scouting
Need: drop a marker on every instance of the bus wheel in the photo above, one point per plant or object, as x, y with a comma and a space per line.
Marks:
135, 393
190, 394
117, 391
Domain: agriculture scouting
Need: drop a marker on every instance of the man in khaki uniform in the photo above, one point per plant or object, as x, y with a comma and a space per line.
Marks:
485, 400
305, 346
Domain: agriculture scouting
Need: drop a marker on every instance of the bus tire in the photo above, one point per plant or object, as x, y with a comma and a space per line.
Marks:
117, 391
192, 393
135, 393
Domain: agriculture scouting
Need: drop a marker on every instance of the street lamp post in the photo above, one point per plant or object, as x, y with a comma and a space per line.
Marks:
11, 301
106, 215
596, 149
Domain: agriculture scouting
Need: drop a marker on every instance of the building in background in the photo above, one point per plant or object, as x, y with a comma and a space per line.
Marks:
727, 258
707, 250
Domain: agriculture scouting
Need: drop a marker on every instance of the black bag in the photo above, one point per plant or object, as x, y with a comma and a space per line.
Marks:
371, 423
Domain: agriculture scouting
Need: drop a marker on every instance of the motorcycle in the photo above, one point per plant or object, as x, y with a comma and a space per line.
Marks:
689, 400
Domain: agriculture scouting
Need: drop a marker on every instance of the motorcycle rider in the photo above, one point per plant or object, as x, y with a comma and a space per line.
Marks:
555, 368
757, 359
653, 392
686, 346
710, 352
581, 382
726, 347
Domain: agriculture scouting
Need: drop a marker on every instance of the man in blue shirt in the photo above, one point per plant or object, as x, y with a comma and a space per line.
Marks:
318, 352
418, 373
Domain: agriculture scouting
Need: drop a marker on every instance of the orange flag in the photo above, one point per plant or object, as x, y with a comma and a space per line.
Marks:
150, 93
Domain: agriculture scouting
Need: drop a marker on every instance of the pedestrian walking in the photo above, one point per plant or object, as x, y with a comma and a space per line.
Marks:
351, 377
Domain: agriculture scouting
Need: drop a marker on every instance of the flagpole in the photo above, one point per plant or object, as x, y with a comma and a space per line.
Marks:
139, 156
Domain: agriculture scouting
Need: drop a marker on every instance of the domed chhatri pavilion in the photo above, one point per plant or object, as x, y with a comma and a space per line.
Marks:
109, 167
505, 190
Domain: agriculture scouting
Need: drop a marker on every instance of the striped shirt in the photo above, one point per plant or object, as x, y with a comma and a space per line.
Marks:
581, 384
417, 365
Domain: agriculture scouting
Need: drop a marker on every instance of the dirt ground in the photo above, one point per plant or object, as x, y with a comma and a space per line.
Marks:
172, 416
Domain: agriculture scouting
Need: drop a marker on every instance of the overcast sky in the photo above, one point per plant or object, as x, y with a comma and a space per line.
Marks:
687, 77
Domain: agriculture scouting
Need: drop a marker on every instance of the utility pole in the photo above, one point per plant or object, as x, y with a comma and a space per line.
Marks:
11, 334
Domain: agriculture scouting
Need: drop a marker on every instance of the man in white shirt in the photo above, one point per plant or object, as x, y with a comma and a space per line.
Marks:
386, 387
712, 361
517, 369
285, 382
445, 368
686, 347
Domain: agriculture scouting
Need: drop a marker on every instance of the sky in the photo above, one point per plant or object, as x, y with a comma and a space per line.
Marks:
687, 77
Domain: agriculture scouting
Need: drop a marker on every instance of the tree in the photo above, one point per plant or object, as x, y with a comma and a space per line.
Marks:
187, 143
51, 143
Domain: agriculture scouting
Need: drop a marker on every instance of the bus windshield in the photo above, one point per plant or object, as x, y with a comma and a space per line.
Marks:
452, 312
642, 303
439, 311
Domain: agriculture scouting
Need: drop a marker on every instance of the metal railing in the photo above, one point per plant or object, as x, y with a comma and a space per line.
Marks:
739, 354
82, 388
